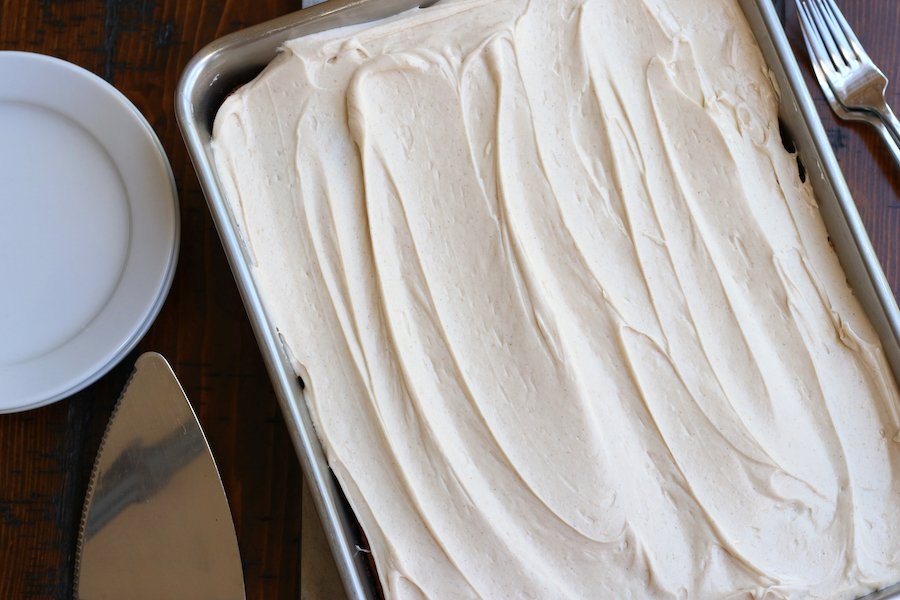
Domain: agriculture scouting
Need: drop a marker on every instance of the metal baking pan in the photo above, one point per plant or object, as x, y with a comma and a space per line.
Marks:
236, 59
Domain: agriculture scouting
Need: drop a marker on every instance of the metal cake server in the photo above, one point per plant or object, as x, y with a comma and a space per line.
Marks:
156, 522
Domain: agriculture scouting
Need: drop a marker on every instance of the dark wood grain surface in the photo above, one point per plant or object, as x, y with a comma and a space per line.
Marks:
141, 47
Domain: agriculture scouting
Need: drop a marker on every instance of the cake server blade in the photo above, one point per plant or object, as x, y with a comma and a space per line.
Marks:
156, 522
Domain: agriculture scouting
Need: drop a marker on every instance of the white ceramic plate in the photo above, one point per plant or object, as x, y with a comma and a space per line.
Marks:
89, 228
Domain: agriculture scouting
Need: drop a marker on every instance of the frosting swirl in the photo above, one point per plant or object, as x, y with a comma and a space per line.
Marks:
568, 319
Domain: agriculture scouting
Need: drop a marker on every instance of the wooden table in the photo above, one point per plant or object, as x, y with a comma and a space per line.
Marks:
46, 454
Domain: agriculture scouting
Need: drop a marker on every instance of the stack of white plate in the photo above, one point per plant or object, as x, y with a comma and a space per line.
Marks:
89, 229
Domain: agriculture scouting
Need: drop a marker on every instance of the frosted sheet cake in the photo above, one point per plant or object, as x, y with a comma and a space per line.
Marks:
568, 319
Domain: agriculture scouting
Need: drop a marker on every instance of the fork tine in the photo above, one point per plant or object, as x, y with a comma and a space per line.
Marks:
815, 10
845, 47
817, 50
847, 31
813, 46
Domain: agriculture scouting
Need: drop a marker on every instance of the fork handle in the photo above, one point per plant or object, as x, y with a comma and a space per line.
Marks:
891, 140
890, 121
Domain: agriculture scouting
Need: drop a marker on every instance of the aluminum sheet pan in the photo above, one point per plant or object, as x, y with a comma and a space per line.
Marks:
236, 59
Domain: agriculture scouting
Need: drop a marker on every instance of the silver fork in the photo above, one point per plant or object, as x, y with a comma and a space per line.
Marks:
843, 67
810, 36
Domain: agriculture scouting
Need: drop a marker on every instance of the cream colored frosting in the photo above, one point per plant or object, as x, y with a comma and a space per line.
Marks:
569, 322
